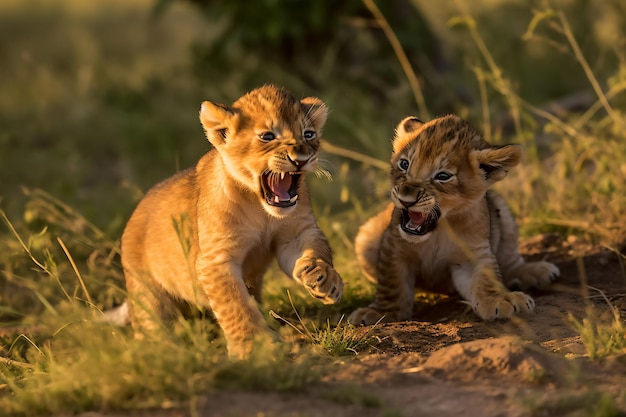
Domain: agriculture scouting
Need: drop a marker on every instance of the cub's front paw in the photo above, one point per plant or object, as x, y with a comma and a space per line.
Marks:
320, 279
503, 306
365, 316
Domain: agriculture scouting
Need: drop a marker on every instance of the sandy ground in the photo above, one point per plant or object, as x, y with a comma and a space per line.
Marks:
448, 363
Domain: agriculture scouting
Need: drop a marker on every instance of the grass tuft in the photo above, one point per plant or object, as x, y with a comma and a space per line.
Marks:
110, 370
592, 403
343, 340
602, 336
338, 340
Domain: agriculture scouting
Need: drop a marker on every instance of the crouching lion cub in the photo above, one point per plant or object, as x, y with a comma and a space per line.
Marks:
206, 235
444, 229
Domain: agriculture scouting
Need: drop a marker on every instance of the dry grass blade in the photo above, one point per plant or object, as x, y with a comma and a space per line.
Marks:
355, 156
586, 117
53, 211
402, 57
18, 364
75, 268
26, 249
588, 72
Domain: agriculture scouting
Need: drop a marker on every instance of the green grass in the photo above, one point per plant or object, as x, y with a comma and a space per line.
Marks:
110, 370
89, 123
602, 337
604, 334
352, 395
592, 403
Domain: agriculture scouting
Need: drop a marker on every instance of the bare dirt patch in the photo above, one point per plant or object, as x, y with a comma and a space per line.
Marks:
448, 363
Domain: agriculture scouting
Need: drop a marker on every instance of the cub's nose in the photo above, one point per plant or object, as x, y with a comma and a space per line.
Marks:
405, 203
409, 194
298, 162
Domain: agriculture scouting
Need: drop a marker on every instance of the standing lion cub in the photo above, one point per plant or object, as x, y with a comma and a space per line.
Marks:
206, 235
444, 230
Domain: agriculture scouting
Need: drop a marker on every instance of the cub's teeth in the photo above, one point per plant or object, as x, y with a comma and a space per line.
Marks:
293, 199
282, 175
276, 199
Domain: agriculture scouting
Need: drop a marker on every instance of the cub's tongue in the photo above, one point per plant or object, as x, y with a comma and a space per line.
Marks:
280, 186
416, 218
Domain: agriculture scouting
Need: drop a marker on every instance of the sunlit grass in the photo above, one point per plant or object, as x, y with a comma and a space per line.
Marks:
572, 170
573, 404
604, 334
110, 370
337, 339
64, 359
95, 122
602, 337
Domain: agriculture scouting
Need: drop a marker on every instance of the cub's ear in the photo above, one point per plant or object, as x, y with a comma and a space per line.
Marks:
216, 120
316, 112
496, 161
408, 125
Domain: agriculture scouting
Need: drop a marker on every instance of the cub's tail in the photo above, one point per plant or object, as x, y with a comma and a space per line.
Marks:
118, 316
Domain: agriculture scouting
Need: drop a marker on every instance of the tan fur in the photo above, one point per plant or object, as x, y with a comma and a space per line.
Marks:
205, 236
457, 234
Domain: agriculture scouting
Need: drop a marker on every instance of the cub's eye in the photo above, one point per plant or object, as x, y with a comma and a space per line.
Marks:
403, 164
267, 136
309, 134
443, 176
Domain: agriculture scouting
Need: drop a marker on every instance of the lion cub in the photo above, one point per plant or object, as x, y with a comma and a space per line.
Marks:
205, 236
444, 230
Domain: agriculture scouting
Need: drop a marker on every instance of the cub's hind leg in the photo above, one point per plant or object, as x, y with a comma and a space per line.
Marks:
368, 242
394, 288
149, 304
516, 272
523, 275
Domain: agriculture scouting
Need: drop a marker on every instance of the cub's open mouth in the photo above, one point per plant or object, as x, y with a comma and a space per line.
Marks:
417, 223
280, 189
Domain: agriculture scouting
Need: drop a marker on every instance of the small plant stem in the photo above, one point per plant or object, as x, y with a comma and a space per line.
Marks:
22, 244
584, 119
26, 249
549, 116
614, 309
567, 31
356, 156
401, 55
601, 231
480, 76
75, 268
501, 84
309, 334
18, 364
582, 273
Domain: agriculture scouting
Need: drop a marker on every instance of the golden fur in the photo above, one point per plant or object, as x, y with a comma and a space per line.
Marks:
205, 236
444, 230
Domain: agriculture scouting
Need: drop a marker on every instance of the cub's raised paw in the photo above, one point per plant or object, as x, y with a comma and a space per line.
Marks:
365, 316
503, 306
534, 275
320, 279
